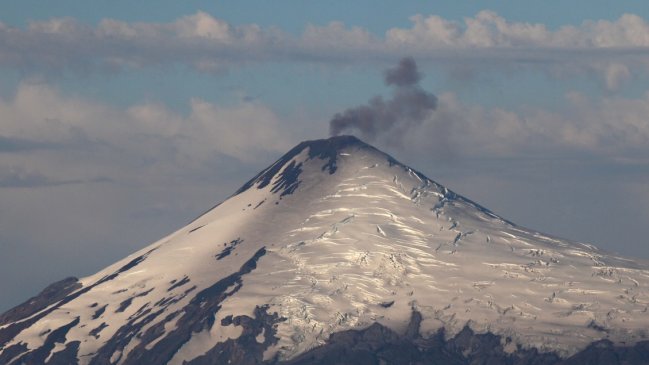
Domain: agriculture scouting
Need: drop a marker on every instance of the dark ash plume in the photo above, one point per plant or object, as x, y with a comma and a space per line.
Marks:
409, 106
405, 74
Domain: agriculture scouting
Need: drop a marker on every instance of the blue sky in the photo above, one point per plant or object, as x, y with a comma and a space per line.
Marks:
293, 17
121, 121
294, 14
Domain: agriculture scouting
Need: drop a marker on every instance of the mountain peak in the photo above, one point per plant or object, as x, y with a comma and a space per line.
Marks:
335, 142
284, 175
329, 148
323, 149
334, 245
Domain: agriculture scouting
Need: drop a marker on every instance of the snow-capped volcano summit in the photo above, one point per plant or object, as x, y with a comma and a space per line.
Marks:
337, 248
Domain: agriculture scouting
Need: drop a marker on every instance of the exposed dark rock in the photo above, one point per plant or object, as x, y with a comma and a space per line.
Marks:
597, 327
387, 304
379, 345
197, 316
288, 181
11, 352
412, 331
245, 349
324, 149
328, 150
99, 312
228, 248
196, 229
95, 331
176, 284
376, 344
67, 356
167, 301
127, 302
39, 355
605, 352
124, 335
139, 311
48, 296
368, 346
9, 332
131, 264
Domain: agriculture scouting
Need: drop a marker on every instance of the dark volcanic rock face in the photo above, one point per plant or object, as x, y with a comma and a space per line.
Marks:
52, 298
380, 345
198, 315
326, 150
40, 355
48, 296
246, 349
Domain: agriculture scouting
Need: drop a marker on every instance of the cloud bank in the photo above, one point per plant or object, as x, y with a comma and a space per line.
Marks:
609, 128
65, 139
206, 43
49, 138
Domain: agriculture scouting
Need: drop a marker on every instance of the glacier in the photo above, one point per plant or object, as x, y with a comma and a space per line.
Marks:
336, 238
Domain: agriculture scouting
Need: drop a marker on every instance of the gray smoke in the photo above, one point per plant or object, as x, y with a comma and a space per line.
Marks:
405, 74
409, 106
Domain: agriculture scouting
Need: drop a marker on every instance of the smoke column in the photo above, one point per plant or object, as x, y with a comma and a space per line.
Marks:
409, 106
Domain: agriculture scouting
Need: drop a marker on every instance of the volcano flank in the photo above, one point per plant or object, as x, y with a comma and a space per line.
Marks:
339, 254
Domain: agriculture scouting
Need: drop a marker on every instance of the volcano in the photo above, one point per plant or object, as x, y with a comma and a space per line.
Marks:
339, 254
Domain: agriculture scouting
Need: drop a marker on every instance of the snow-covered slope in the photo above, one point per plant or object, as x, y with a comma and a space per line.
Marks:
334, 236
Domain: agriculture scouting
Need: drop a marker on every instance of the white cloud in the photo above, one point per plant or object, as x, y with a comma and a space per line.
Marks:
336, 35
488, 29
242, 132
88, 139
615, 75
628, 31
204, 25
610, 127
208, 43
113, 142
